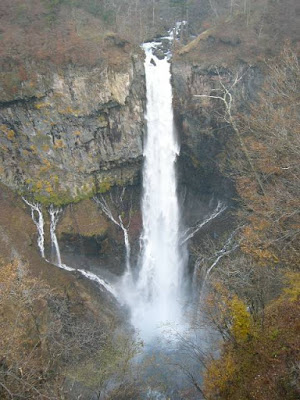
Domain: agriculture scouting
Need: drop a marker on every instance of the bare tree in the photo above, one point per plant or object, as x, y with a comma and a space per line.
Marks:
225, 94
44, 333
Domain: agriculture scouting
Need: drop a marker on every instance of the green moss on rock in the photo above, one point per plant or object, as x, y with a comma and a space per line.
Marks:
83, 218
49, 191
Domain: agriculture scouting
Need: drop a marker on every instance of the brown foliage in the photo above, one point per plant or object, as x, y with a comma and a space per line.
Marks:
271, 131
259, 327
23, 344
45, 336
265, 365
60, 35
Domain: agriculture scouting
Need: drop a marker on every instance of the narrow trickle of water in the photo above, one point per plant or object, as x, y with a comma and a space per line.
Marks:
54, 217
156, 297
119, 222
38, 219
191, 232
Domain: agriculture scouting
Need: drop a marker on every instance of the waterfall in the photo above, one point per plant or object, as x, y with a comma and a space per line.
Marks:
191, 232
39, 223
155, 298
101, 282
54, 217
107, 211
229, 246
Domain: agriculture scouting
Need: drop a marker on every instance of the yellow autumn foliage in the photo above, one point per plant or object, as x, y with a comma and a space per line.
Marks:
293, 288
218, 374
241, 320
253, 362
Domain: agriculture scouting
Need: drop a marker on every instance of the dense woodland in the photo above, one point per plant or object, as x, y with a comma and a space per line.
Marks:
254, 290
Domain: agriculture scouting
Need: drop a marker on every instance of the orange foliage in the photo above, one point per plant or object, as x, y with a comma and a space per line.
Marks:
265, 366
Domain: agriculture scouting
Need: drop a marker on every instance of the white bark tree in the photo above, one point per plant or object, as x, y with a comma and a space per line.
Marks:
225, 95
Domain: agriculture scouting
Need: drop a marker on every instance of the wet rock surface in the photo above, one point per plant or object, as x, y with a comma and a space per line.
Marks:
90, 240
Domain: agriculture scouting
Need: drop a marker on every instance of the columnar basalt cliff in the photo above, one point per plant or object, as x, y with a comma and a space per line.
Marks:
77, 133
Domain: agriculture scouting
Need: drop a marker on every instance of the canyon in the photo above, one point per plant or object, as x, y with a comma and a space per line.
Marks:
105, 177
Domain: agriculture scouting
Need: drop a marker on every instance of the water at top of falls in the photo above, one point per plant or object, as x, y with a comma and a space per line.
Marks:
155, 298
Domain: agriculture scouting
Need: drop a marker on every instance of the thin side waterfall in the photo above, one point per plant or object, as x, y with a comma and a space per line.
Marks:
101, 282
191, 232
38, 219
157, 295
229, 246
119, 222
54, 217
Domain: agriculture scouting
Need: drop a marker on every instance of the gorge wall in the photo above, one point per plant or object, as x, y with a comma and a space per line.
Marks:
69, 132
73, 131
237, 45
205, 134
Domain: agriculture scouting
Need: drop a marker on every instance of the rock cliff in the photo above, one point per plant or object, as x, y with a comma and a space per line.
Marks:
231, 53
201, 121
214, 69
79, 131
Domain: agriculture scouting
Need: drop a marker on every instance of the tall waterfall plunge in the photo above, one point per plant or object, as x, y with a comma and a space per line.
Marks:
155, 298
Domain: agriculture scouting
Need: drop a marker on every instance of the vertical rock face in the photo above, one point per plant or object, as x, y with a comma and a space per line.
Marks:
79, 131
205, 162
202, 144
203, 129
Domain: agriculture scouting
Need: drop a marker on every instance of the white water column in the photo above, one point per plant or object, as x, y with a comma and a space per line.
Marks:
54, 218
38, 219
158, 290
